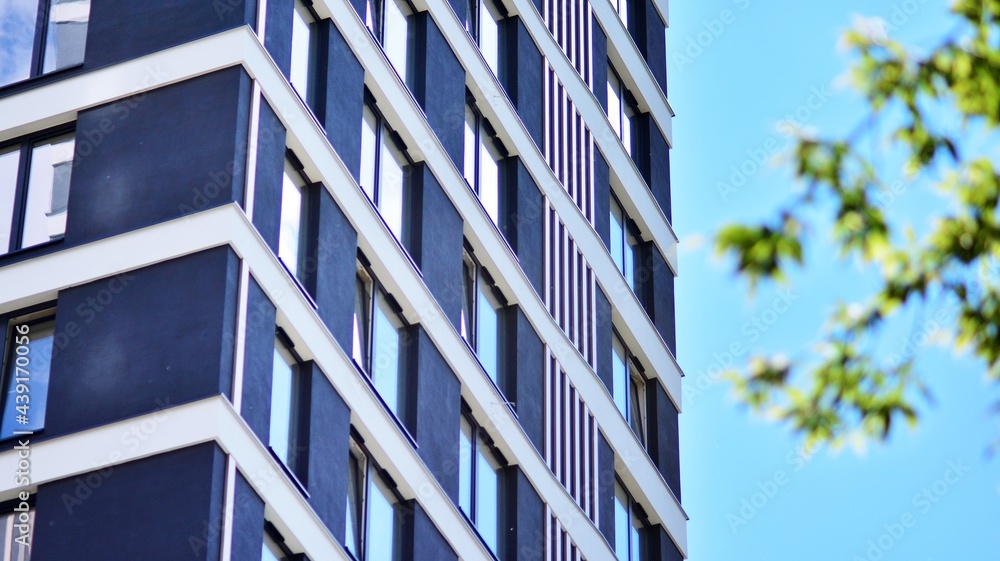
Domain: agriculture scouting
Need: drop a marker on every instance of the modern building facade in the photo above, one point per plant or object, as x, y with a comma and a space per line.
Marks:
337, 279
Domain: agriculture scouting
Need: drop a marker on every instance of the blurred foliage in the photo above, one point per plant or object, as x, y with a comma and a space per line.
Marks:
844, 389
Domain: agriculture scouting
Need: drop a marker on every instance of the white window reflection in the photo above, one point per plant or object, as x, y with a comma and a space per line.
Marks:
303, 40
629, 527
480, 322
481, 163
387, 365
624, 243
270, 550
291, 236
48, 191
489, 35
10, 160
621, 109
62, 42
621, 6
396, 38
284, 378
10, 548
369, 141
373, 515
384, 172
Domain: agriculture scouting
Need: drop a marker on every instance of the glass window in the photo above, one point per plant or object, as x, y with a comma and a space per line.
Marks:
629, 527
621, 6
292, 236
26, 373
480, 323
628, 388
481, 162
378, 341
624, 243
395, 39
271, 551
621, 109
383, 171
489, 35
284, 418
373, 17
10, 160
303, 49
479, 483
35, 201
28, 50
362, 317
373, 511
13, 547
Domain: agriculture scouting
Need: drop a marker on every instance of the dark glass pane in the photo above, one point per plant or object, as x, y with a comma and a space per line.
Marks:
17, 39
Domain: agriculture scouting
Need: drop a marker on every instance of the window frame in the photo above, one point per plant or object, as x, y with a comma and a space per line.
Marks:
485, 137
298, 416
41, 313
377, 29
480, 276
633, 512
39, 42
377, 293
358, 450
7, 512
23, 146
307, 222
629, 230
626, 102
310, 96
480, 437
634, 374
476, 10
385, 134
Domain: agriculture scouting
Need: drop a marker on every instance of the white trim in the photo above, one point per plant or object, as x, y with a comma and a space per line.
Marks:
252, 139
241, 333
228, 512
212, 228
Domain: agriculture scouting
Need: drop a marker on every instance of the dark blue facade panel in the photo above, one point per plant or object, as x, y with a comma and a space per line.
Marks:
663, 445
435, 410
522, 219
248, 521
178, 150
521, 71
656, 292
333, 266
436, 241
602, 198
606, 488
162, 508
438, 84
526, 534
421, 538
656, 45
526, 370
343, 102
278, 33
661, 547
600, 58
327, 434
269, 175
258, 361
142, 341
604, 339
125, 29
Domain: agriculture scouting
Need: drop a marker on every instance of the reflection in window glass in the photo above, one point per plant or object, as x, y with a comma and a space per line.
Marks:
636, 545
469, 161
302, 52
18, 40
465, 469
468, 299
9, 164
373, 17
355, 503
66, 34
386, 363
390, 192
396, 38
487, 495
628, 388
637, 406
10, 549
369, 130
362, 318
48, 191
622, 524
270, 550
283, 377
489, 35
614, 102
291, 242
487, 330
381, 522
489, 180
622, 7
35, 380
619, 376
617, 241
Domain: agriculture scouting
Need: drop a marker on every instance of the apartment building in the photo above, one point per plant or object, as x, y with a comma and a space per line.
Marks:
337, 280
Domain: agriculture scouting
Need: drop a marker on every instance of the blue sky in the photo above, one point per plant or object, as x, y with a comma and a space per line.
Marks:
750, 489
